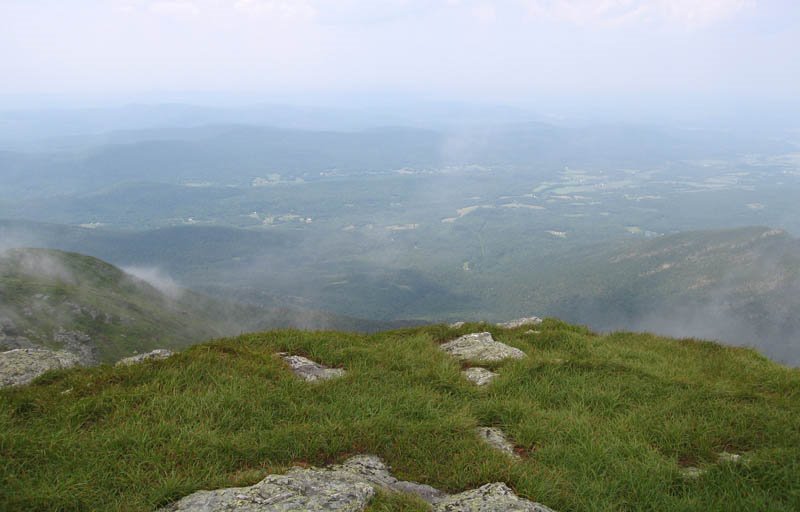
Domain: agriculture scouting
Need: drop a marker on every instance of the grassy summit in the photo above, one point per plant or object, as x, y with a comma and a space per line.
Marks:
602, 422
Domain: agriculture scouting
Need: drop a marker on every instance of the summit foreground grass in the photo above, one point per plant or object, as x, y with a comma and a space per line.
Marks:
602, 422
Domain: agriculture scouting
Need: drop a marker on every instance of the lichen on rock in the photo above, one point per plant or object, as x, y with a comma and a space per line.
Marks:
479, 376
493, 497
309, 370
21, 366
347, 487
153, 355
481, 347
497, 439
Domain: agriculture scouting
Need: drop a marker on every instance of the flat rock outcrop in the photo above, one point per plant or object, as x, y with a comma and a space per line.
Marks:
479, 376
153, 355
21, 366
299, 489
494, 497
309, 370
482, 347
519, 322
497, 439
346, 487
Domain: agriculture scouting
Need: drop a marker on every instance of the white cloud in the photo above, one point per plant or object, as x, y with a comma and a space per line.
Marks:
690, 13
284, 9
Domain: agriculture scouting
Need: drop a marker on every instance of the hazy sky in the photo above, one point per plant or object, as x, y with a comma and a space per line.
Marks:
502, 50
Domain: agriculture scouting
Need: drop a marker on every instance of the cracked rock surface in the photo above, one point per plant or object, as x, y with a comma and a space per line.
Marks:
309, 370
481, 346
153, 355
479, 376
345, 487
21, 366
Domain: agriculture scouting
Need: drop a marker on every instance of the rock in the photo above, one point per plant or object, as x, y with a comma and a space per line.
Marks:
733, 458
373, 470
21, 366
494, 497
309, 370
479, 376
497, 440
531, 331
78, 343
691, 472
481, 347
299, 489
154, 355
457, 325
519, 322
345, 487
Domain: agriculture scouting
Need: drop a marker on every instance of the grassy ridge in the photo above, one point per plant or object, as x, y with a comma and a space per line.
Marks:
607, 422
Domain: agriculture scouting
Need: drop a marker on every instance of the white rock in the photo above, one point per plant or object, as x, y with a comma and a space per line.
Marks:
497, 439
479, 376
496, 497
20, 366
481, 347
153, 355
309, 370
519, 322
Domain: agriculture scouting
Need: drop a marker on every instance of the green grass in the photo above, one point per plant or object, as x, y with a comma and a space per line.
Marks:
607, 422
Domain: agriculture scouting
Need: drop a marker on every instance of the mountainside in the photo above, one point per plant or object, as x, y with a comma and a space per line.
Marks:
80, 304
741, 286
568, 419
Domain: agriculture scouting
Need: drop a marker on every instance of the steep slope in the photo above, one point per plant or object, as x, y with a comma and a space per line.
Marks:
77, 303
594, 422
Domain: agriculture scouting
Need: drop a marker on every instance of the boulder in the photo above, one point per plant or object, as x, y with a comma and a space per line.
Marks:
519, 322
479, 376
153, 355
309, 370
21, 366
494, 497
481, 347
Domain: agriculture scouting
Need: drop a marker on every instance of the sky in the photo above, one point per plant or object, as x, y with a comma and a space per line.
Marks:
511, 50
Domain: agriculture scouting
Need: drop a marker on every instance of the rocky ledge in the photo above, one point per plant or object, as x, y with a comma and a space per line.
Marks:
347, 487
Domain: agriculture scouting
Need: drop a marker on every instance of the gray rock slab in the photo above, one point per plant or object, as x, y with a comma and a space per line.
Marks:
519, 322
299, 489
373, 470
482, 347
309, 370
345, 487
497, 439
495, 497
153, 355
457, 325
21, 366
479, 376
